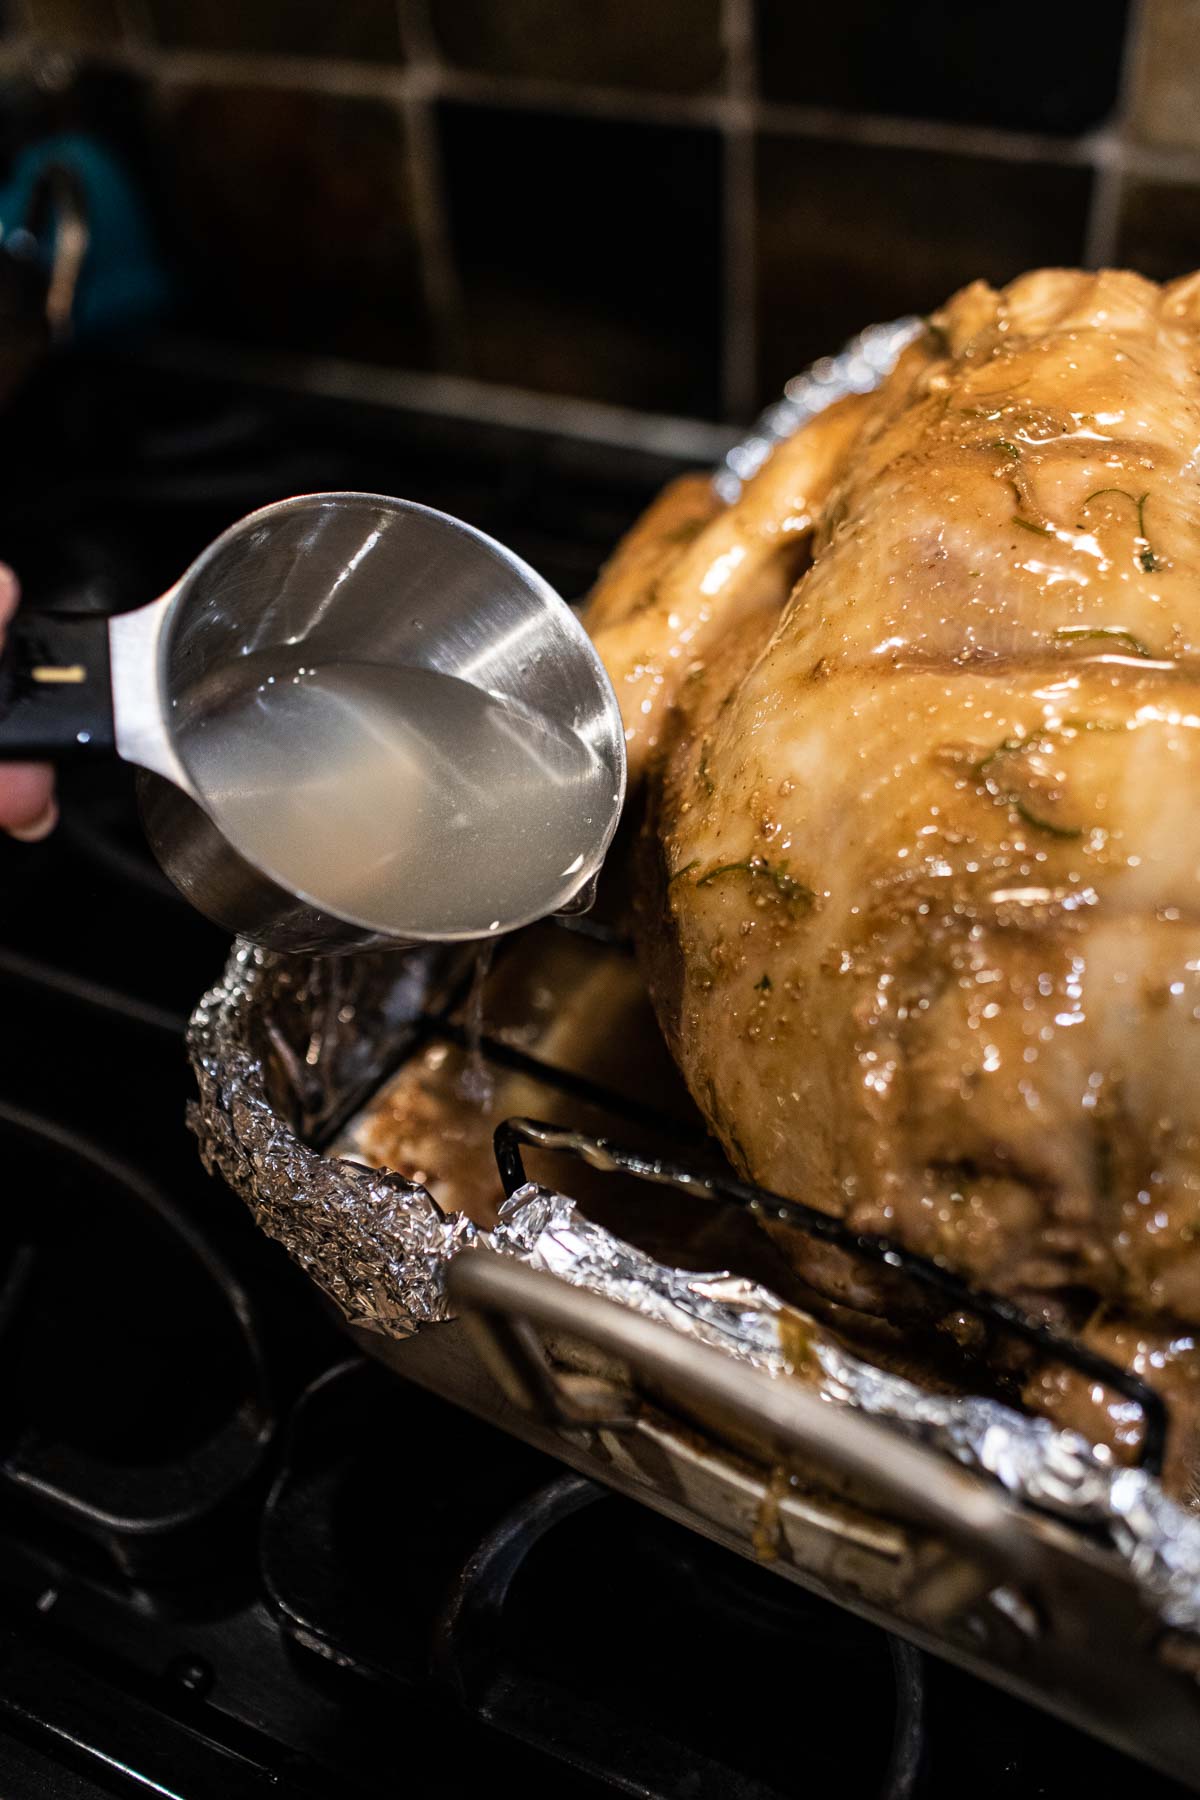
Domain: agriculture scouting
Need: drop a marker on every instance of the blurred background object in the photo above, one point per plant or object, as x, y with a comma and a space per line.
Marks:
667, 208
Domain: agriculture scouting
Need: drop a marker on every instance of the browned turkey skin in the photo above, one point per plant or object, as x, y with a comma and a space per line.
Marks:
924, 932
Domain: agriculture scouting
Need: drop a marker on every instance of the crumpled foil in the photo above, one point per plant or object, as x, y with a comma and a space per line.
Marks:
275, 1047
286, 1048
1058, 1471
857, 369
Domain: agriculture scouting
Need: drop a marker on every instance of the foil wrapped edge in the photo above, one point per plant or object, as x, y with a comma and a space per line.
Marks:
1055, 1470
858, 368
375, 1243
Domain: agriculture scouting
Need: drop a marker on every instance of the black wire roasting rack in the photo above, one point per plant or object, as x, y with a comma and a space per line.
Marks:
879, 1251
924, 1276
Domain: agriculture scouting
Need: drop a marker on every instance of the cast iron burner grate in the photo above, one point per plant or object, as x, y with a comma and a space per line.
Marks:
682, 1707
144, 1478
627, 1681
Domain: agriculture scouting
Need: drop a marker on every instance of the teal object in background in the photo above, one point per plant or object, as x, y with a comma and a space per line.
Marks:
122, 282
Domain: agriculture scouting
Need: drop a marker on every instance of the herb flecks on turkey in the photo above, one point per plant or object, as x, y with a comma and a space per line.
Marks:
923, 917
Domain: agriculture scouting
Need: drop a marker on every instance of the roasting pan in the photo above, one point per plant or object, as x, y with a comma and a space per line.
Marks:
338, 1097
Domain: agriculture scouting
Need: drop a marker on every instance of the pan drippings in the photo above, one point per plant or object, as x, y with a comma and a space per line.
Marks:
402, 799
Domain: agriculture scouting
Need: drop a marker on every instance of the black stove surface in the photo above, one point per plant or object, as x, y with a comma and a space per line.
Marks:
236, 1558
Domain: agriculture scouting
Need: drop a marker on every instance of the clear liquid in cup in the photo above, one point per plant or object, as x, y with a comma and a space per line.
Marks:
402, 799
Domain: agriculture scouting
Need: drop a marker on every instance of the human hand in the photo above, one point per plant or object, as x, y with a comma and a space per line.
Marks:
27, 808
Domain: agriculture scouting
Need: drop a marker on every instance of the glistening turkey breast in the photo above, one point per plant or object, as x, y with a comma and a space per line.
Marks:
921, 719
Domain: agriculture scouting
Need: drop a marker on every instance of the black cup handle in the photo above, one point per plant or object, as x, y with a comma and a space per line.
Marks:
55, 686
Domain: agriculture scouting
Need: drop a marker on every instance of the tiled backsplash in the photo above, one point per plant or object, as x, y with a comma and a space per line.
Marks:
668, 205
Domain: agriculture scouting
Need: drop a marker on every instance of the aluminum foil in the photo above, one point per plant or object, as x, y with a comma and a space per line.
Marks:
277, 1049
1058, 1471
282, 1046
857, 369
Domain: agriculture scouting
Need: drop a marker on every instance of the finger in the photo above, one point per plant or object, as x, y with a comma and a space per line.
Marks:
27, 809
10, 593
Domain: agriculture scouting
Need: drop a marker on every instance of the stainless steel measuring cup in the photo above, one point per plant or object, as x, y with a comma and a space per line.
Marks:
380, 580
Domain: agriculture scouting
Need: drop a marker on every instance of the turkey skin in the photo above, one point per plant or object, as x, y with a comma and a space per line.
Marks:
919, 717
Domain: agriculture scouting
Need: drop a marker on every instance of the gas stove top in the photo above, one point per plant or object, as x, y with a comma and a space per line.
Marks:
235, 1558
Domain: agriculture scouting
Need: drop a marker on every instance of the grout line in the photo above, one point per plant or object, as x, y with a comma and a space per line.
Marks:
1104, 211
417, 35
532, 93
241, 69
718, 111
439, 273
1104, 214
1133, 64
452, 396
892, 133
739, 284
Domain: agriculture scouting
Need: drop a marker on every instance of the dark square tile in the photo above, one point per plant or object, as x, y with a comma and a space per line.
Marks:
362, 30
669, 46
290, 212
88, 24
589, 253
973, 60
851, 233
1159, 229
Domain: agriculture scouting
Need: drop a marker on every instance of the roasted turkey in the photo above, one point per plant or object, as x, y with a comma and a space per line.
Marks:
920, 721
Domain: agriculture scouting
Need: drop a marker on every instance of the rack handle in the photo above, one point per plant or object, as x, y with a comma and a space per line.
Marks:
507, 1306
